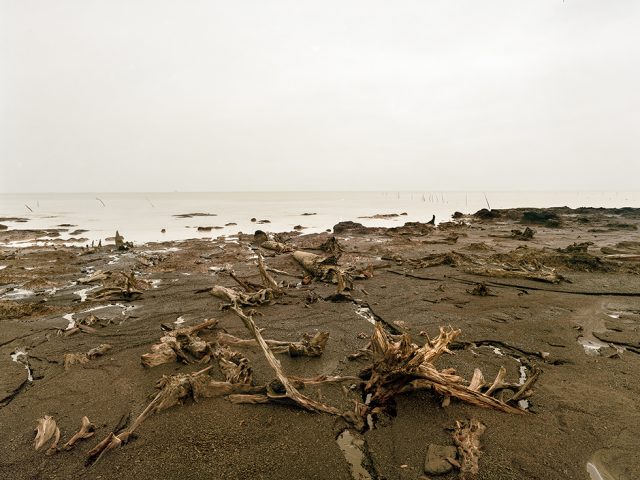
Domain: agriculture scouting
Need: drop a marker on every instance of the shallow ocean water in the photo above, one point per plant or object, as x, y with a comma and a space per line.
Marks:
140, 217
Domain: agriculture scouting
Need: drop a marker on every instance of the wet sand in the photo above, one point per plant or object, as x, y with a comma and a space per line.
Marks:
566, 301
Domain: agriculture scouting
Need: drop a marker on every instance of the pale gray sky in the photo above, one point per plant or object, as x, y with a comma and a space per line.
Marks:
158, 95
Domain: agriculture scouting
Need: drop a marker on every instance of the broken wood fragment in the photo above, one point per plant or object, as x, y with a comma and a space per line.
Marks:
45, 430
183, 343
466, 436
277, 247
87, 430
71, 359
261, 297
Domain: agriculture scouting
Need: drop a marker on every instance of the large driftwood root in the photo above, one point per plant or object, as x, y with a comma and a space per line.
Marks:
401, 367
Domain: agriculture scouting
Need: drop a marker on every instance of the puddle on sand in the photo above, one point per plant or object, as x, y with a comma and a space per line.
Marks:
353, 449
367, 314
20, 356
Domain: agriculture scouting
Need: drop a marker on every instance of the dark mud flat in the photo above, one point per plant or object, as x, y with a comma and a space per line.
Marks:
562, 299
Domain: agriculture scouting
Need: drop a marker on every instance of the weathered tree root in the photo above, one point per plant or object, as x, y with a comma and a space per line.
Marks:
87, 430
310, 346
399, 367
291, 392
466, 436
175, 390
261, 297
71, 359
46, 429
126, 288
182, 343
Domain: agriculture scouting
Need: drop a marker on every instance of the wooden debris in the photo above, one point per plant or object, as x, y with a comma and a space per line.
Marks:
277, 247
291, 392
310, 346
400, 366
97, 276
261, 297
71, 359
267, 280
524, 235
87, 430
466, 436
46, 429
120, 243
125, 287
481, 290
332, 247
174, 390
183, 343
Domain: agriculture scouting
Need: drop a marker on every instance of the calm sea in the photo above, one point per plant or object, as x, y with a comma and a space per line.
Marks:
140, 217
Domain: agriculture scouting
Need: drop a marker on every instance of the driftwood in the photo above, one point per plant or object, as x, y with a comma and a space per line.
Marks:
71, 359
320, 267
277, 247
261, 297
401, 367
182, 343
87, 430
268, 281
126, 287
466, 436
310, 346
291, 392
97, 276
332, 247
46, 429
174, 390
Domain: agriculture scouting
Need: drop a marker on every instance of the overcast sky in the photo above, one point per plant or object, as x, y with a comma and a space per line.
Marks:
160, 95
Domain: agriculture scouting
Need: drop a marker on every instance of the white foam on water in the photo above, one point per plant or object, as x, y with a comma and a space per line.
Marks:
17, 294
179, 320
498, 352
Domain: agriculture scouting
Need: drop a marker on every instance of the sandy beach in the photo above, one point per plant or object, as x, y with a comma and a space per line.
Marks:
552, 295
